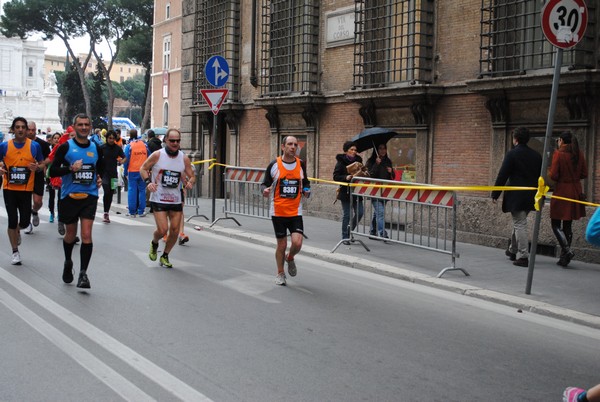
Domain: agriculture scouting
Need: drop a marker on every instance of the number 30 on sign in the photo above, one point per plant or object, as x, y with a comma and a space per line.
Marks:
564, 22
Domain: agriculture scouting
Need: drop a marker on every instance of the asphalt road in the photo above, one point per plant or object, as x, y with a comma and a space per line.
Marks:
216, 328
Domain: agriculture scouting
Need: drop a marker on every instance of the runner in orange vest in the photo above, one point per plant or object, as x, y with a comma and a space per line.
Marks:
20, 159
285, 182
136, 153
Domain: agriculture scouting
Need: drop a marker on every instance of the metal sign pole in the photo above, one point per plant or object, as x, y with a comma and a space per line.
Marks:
545, 155
214, 168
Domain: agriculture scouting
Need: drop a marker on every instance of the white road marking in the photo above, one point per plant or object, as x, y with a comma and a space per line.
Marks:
251, 284
95, 366
155, 373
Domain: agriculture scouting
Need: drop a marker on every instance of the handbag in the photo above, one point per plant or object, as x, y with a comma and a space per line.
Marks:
357, 169
592, 232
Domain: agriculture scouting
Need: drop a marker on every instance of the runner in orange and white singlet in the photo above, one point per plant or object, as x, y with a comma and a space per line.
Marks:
285, 183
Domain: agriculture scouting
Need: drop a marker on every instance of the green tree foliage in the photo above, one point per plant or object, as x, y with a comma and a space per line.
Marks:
119, 91
136, 48
98, 98
135, 88
73, 94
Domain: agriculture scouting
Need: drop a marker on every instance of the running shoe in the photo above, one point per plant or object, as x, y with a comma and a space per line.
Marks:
29, 229
51, 218
291, 266
571, 393
164, 262
280, 279
83, 281
142, 215
183, 239
61, 228
106, 218
16, 258
130, 215
35, 219
68, 272
153, 249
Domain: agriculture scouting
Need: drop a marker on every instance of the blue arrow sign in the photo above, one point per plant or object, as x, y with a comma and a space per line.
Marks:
216, 71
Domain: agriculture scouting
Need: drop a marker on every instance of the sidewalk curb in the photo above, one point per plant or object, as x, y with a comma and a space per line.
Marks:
404, 273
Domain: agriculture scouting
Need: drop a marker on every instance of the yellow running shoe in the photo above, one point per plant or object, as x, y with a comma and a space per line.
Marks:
164, 262
153, 249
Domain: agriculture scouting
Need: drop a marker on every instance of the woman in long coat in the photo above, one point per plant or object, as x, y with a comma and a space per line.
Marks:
567, 170
349, 204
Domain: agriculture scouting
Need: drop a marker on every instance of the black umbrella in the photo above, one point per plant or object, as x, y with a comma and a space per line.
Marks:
370, 138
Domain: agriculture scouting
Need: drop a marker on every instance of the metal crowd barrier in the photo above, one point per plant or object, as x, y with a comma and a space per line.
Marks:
243, 195
192, 196
414, 217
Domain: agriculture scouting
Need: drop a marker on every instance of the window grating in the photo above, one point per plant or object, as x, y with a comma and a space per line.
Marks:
290, 47
512, 41
393, 42
217, 34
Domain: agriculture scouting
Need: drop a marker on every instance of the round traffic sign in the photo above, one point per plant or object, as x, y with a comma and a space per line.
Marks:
217, 71
564, 22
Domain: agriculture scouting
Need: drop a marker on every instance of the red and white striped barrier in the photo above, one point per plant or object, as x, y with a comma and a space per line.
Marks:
434, 197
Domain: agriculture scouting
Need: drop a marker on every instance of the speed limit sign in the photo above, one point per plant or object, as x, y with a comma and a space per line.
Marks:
564, 22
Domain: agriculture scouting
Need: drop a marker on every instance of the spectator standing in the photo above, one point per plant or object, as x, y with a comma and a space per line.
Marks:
96, 137
78, 162
340, 174
40, 177
284, 184
380, 167
154, 144
20, 159
136, 153
521, 168
567, 170
111, 153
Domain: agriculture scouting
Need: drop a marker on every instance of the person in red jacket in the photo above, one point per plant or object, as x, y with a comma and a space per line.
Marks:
567, 170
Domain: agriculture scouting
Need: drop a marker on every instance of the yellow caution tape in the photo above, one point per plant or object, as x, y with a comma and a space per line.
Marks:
541, 190
541, 193
428, 187
204, 161
218, 164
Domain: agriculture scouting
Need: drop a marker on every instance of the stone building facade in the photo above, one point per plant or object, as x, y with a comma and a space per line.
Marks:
453, 78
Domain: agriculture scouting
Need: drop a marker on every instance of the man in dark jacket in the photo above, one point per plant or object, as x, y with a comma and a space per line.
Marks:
521, 168
154, 144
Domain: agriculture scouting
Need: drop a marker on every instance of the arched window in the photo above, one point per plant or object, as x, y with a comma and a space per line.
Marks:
168, 11
166, 114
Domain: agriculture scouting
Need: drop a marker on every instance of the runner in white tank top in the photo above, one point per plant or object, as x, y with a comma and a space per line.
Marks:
171, 170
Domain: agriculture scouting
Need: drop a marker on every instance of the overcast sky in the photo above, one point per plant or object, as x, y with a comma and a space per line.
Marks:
56, 47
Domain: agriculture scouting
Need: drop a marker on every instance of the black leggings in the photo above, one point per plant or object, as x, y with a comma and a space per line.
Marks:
563, 234
51, 198
108, 196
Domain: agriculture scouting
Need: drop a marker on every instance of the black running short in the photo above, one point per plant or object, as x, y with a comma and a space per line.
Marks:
160, 207
18, 208
71, 210
282, 224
